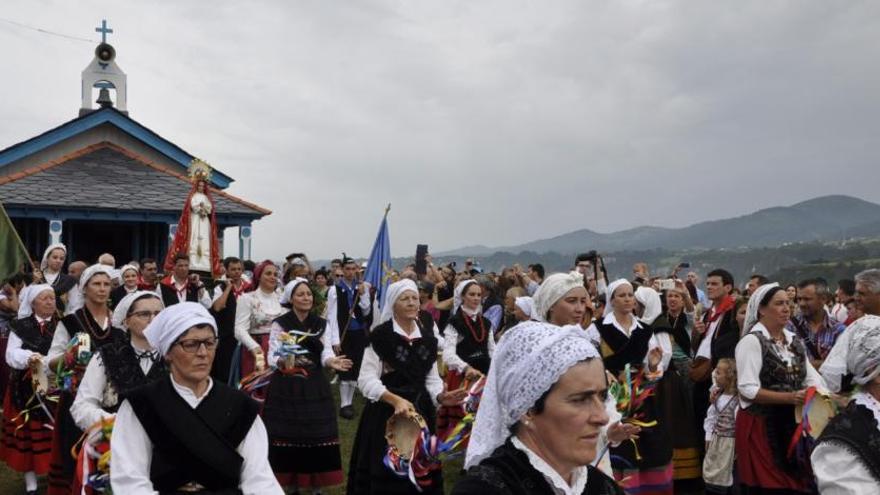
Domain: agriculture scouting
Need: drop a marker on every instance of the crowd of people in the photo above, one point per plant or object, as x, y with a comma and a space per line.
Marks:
647, 385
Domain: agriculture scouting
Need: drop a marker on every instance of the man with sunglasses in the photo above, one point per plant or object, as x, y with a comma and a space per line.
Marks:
188, 433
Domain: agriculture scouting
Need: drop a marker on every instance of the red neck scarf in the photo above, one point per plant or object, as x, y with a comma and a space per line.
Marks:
726, 305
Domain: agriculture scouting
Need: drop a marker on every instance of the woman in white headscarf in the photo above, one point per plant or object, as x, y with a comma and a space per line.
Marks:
26, 442
186, 433
523, 308
674, 402
398, 376
624, 340
92, 321
538, 426
561, 299
468, 345
846, 458
773, 375
129, 275
118, 368
300, 412
51, 267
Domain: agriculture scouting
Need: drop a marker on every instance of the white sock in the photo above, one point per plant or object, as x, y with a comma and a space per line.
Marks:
346, 392
30, 481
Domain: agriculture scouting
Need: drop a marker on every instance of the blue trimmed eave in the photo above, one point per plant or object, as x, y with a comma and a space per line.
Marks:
47, 213
99, 117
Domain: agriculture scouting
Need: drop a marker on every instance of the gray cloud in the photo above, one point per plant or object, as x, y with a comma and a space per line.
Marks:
492, 122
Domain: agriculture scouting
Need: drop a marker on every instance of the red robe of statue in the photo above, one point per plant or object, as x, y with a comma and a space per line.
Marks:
181, 238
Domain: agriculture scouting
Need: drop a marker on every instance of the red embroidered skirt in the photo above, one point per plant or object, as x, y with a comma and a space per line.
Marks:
26, 445
754, 459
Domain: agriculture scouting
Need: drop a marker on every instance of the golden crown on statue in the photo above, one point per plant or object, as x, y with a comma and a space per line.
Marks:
199, 170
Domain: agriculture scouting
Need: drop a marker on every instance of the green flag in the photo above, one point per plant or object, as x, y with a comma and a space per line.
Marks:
13, 255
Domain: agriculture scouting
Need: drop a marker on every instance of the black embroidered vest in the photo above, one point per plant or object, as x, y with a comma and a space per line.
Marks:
618, 350
313, 325
82, 321
857, 429
473, 351
406, 363
34, 340
123, 371
194, 445
775, 374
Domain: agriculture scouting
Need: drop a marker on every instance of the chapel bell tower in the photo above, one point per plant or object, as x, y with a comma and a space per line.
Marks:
104, 75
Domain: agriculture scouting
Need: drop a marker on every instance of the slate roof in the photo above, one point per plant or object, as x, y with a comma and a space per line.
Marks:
108, 177
99, 117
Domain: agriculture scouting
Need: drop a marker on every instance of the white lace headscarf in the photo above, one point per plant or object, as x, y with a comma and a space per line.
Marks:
120, 313
609, 294
863, 356
526, 304
650, 299
530, 358
45, 262
458, 295
752, 309
396, 290
554, 288
27, 296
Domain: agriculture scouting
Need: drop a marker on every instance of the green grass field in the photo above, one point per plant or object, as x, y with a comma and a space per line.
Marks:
12, 483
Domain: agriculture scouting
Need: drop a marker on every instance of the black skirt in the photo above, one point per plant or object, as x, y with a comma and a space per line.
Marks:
300, 418
367, 474
353, 345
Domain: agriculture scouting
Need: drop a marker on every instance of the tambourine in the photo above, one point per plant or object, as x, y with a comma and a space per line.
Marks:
819, 411
39, 378
402, 432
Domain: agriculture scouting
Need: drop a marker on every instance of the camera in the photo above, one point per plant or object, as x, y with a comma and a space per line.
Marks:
667, 284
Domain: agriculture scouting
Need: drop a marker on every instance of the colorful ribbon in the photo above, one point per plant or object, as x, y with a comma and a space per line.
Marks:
430, 452
92, 453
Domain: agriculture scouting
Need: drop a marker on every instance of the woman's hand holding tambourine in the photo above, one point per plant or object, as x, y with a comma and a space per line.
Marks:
402, 406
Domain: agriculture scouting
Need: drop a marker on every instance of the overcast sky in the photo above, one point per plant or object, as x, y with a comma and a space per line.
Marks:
482, 122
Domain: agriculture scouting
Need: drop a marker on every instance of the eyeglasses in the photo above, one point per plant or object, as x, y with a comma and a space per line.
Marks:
145, 314
192, 345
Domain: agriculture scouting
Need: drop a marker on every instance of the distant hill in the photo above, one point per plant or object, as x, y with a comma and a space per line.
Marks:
827, 218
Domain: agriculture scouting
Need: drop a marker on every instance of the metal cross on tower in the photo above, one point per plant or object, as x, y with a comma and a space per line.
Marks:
104, 30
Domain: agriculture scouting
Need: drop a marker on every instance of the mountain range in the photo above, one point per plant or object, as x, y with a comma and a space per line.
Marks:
826, 218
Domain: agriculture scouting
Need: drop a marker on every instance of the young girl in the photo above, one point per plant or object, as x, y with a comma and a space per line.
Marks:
720, 427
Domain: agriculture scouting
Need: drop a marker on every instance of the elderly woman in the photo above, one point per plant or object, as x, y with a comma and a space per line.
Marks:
119, 368
93, 323
254, 314
846, 458
186, 432
774, 373
299, 411
643, 465
540, 417
26, 442
398, 376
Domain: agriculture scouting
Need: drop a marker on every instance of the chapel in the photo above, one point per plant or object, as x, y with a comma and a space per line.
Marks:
104, 182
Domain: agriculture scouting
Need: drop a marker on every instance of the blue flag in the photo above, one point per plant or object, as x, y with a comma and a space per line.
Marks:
379, 264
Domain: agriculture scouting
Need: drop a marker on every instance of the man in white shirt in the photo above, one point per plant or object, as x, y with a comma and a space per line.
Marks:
212, 440
180, 286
